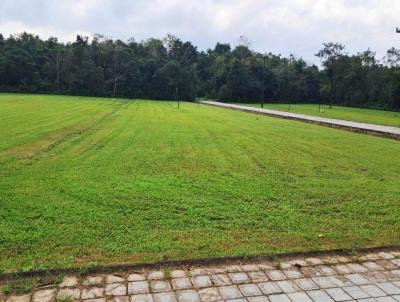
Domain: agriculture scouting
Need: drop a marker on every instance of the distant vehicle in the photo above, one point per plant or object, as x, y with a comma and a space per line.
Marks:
398, 30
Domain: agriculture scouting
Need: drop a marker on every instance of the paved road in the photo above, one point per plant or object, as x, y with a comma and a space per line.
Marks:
365, 277
393, 132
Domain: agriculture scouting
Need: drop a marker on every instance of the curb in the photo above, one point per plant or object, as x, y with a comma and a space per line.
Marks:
112, 268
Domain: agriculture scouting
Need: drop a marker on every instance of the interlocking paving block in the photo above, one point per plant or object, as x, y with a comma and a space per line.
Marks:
72, 293
114, 279
116, 289
385, 255
357, 268
396, 262
93, 280
198, 272
392, 275
377, 276
165, 297
299, 297
298, 263
249, 267
216, 270
395, 253
288, 286
178, 273
209, 294
69, 281
96, 300
188, 296
46, 295
367, 300
330, 260
220, 279
313, 261
386, 264
138, 287
233, 268
340, 281
310, 272
201, 281
136, 277
284, 265
372, 256
239, 278
306, 284
372, 280
155, 275
357, 279
319, 296
92, 293
119, 299
338, 294
373, 266
181, 283
342, 259
324, 282
385, 299
258, 276
230, 292
266, 266
142, 298
159, 286
270, 288
342, 269
396, 297
258, 299
19, 298
276, 275
356, 292
249, 290
389, 288
279, 298
325, 270
373, 290
293, 273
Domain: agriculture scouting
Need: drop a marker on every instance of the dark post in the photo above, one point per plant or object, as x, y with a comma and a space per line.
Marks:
263, 84
176, 95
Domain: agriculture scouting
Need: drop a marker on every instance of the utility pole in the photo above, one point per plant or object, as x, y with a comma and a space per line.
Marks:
263, 84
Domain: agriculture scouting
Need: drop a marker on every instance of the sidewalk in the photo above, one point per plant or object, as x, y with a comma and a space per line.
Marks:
379, 130
368, 277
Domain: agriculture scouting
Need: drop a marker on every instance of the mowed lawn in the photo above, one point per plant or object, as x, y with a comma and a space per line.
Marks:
86, 180
380, 117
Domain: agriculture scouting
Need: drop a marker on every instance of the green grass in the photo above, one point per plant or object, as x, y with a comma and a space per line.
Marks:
86, 181
22, 286
380, 117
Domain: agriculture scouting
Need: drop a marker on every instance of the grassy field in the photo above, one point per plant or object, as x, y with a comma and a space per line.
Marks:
380, 117
86, 180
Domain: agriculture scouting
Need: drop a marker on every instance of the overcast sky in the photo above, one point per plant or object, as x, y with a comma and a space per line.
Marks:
279, 26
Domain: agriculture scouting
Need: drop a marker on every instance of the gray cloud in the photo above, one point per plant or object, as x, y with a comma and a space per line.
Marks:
279, 26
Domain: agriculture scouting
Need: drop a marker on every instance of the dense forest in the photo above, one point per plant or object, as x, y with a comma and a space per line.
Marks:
171, 68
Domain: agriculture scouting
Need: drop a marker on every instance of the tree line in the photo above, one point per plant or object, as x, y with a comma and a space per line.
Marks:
170, 68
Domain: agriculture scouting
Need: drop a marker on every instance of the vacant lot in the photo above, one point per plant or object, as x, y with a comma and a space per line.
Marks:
380, 117
100, 180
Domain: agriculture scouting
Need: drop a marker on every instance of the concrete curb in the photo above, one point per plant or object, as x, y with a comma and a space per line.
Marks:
112, 268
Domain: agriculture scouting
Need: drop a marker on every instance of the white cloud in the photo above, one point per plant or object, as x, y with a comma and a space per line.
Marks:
280, 26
